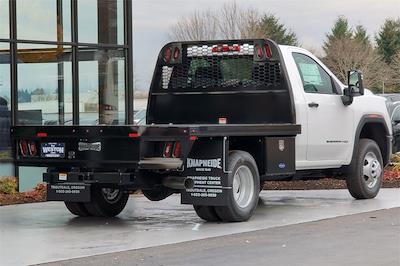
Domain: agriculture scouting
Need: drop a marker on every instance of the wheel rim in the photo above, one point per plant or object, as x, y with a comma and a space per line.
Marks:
243, 186
111, 195
372, 169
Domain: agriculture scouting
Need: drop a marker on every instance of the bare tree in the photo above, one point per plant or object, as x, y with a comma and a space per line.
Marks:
345, 54
228, 22
395, 75
201, 25
249, 24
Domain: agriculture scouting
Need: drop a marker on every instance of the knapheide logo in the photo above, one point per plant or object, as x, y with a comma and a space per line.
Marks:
210, 163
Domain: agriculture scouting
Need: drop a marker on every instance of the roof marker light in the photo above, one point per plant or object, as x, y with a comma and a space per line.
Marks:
225, 48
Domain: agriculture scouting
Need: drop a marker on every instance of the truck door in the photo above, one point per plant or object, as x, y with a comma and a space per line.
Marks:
330, 123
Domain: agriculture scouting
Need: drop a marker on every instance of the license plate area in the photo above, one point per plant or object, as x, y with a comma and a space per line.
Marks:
52, 150
70, 192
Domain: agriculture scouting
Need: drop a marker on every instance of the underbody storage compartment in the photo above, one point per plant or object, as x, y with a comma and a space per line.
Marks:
280, 155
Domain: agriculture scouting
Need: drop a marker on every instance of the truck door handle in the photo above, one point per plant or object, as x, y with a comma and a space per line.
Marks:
313, 105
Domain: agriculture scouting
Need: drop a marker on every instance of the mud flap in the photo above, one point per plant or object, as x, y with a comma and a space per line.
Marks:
70, 192
206, 165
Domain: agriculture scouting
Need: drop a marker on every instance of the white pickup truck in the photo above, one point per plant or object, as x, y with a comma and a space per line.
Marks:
223, 118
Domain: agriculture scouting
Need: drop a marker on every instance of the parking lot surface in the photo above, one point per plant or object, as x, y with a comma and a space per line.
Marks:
45, 232
368, 239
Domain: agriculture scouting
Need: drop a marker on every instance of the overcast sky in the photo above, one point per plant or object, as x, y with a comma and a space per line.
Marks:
309, 19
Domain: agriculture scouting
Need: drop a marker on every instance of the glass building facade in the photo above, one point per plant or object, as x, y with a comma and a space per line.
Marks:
64, 62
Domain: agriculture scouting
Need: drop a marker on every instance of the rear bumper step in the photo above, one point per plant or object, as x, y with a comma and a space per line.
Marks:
161, 163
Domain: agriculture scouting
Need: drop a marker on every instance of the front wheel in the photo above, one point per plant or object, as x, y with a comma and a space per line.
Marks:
242, 201
107, 202
364, 179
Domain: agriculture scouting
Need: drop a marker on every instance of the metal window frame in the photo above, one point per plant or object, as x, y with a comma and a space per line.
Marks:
75, 45
13, 41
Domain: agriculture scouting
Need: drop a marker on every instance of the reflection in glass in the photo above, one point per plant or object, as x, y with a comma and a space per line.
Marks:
101, 86
101, 21
44, 85
5, 103
45, 20
4, 20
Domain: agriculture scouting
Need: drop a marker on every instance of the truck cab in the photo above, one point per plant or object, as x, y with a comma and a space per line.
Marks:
330, 128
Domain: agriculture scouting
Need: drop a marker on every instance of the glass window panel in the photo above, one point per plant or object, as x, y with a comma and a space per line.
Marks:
5, 103
44, 85
4, 20
101, 86
45, 20
314, 77
101, 21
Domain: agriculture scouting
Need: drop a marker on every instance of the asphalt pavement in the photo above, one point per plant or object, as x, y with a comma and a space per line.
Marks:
371, 238
47, 232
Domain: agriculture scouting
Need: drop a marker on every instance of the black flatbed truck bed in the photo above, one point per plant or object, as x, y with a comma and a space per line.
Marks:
112, 135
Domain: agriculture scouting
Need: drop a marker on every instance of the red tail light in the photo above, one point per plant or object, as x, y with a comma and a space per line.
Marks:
168, 149
259, 52
134, 135
167, 55
177, 150
23, 148
268, 52
41, 134
176, 53
32, 148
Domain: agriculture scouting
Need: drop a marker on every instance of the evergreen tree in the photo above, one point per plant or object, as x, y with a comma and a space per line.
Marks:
270, 27
340, 30
388, 39
360, 35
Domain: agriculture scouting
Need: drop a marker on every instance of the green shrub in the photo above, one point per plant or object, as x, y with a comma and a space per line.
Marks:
8, 185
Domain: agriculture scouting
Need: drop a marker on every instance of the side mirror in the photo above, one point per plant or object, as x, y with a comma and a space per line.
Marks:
355, 87
355, 83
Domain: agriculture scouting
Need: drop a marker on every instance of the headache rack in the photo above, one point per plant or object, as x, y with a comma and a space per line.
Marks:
241, 81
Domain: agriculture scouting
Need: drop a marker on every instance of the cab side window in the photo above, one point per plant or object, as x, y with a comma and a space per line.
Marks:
314, 77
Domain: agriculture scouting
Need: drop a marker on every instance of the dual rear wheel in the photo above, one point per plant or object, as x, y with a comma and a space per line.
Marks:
106, 202
242, 202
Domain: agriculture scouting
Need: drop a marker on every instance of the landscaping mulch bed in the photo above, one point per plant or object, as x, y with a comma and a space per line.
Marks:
319, 184
38, 194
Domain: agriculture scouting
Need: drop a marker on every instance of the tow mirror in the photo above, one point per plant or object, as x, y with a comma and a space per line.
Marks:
355, 87
355, 83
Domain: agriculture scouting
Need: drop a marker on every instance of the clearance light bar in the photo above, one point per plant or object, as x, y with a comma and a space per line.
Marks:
220, 49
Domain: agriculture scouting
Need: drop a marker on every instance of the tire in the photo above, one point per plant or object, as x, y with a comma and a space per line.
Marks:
243, 173
207, 213
77, 208
157, 194
365, 175
107, 202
